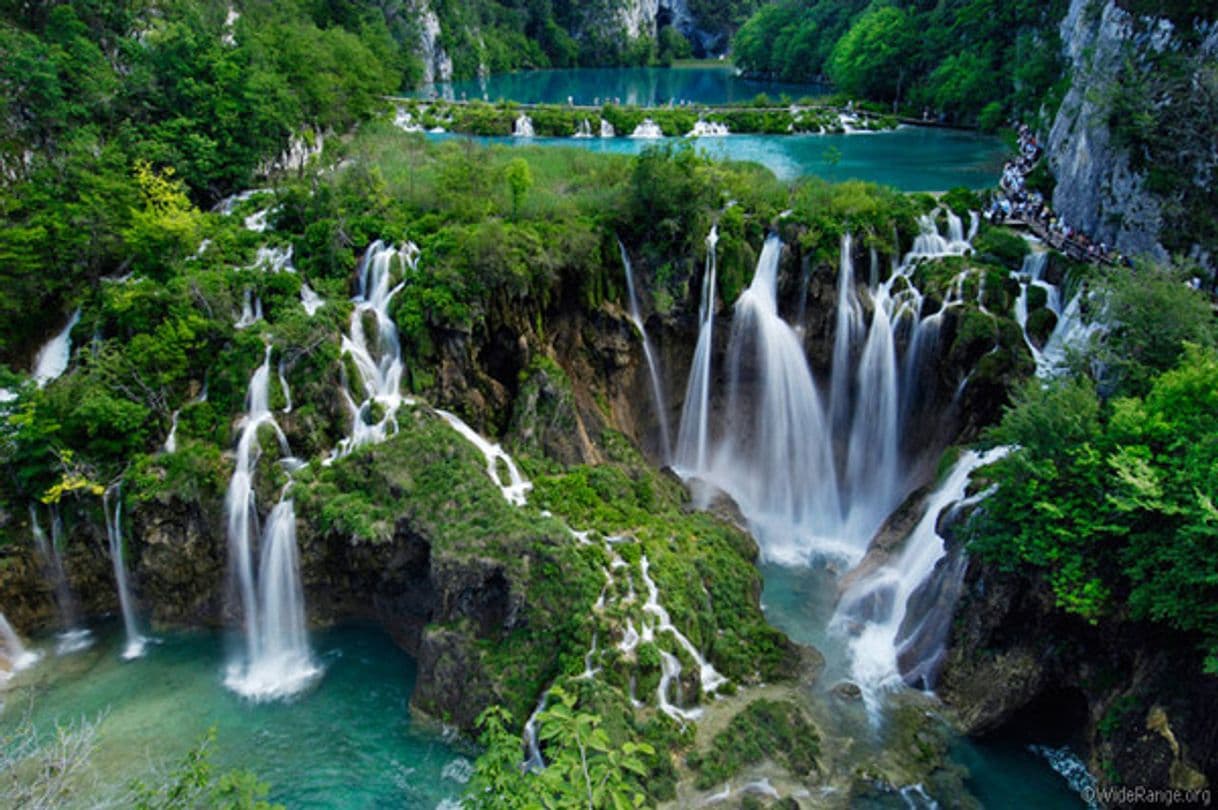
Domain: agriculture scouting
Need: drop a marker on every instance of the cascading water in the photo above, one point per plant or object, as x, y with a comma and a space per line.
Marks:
708, 129
607, 130
657, 387
73, 637
379, 361
13, 651
523, 127
873, 610
114, 533
648, 129
693, 442
787, 489
52, 359
584, 130
849, 326
515, 490
251, 310
277, 661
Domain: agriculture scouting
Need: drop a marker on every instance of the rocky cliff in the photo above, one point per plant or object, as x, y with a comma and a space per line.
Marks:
1132, 146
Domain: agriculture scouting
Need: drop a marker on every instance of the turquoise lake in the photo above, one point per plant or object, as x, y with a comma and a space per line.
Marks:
347, 743
648, 87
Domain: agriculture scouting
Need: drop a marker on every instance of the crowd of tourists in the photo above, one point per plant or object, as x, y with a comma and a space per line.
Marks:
1017, 204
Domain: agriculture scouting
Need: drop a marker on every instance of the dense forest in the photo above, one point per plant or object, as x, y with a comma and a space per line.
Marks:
969, 60
130, 132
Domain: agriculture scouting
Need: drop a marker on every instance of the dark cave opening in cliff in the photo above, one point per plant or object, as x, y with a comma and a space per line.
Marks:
1056, 716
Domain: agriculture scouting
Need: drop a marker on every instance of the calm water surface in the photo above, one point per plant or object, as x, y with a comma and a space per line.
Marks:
347, 743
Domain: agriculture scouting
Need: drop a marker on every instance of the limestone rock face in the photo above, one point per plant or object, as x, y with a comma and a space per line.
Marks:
1100, 189
1133, 703
437, 64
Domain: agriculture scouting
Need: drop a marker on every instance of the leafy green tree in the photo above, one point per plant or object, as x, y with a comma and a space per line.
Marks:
584, 769
519, 180
874, 57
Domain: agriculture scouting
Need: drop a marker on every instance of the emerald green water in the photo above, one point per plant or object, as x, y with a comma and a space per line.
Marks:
348, 743
640, 86
1003, 775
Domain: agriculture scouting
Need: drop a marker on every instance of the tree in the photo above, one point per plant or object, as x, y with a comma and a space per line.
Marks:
519, 180
584, 769
873, 59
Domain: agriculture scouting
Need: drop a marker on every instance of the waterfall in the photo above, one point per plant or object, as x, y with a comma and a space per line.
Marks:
849, 324
874, 608
1071, 330
114, 532
515, 490
873, 474
533, 760
277, 661
13, 651
787, 489
607, 130
657, 389
694, 438
647, 129
708, 129
283, 386
251, 310
310, 300
72, 637
52, 359
523, 127
584, 130
377, 361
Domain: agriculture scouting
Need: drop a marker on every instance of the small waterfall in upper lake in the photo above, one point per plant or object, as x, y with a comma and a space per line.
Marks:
647, 129
874, 609
52, 359
693, 442
708, 129
584, 130
114, 533
12, 651
523, 127
607, 130
277, 660
379, 361
657, 387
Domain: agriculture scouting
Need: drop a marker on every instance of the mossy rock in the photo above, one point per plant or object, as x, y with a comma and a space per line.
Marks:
1041, 323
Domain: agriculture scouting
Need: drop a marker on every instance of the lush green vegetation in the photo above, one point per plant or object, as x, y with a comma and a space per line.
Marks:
480, 118
974, 61
1110, 493
91, 90
765, 729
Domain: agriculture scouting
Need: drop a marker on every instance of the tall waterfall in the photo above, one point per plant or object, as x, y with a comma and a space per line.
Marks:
277, 660
114, 533
657, 387
12, 650
72, 637
787, 489
693, 442
52, 359
377, 361
875, 608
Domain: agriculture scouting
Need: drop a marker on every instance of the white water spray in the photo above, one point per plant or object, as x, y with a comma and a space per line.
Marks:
657, 388
52, 360
114, 533
277, 661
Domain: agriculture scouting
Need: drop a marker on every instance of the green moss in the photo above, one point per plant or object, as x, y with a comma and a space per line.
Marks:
765, 729
1001, 246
